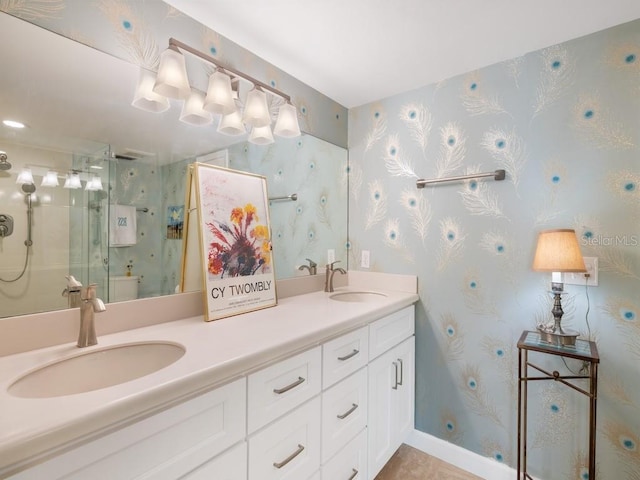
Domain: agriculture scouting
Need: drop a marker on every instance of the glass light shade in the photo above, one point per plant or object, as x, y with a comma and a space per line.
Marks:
256, 111
287, 123
94, 185
558, 251
145, 98
72, 181
193, 112
219, 94
231, 124
25, 177
261, 135
172, 80
50, 179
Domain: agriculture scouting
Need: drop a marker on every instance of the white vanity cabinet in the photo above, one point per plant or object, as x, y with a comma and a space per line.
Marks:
391, 386
167, 445
336, 411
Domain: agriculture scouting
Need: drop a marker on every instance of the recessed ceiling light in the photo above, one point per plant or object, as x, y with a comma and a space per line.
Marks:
13, 124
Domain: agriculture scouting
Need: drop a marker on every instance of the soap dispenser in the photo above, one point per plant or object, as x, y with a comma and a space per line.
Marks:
129, 267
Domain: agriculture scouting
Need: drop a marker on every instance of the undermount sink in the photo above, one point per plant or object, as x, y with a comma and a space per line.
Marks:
357, 296
96, 369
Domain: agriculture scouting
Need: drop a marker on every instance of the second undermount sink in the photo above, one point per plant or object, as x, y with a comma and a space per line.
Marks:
96, 369
357, 296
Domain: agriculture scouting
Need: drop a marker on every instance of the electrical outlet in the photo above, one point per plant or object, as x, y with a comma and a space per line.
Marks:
578, 278
364, 262
331, 255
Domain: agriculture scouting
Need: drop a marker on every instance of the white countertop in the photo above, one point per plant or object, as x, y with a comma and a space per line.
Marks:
216, 353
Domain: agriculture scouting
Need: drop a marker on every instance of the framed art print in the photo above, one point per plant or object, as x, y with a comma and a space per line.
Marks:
235, 246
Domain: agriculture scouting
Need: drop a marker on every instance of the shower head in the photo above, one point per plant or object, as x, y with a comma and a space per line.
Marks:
28, 188
4, 164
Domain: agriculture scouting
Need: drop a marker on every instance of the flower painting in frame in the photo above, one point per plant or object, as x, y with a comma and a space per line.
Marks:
235, 243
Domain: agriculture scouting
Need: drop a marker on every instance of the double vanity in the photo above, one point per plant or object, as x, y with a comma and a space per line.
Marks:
320, 386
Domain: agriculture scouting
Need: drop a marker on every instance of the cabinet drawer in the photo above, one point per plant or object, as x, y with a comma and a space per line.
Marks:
231, 465
279, 388
344, 355
344, 412
390, 331
288, 449
163, 446
350, 463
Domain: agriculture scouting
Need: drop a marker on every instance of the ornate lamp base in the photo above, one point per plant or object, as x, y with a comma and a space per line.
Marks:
563, 338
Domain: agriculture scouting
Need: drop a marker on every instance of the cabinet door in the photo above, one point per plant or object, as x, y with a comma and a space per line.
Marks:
350, 463
391, 378
230, 465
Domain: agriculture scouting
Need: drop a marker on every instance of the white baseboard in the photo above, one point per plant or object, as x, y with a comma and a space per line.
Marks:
467, 460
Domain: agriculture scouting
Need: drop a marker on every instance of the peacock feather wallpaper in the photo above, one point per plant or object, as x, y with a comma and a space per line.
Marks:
564, 123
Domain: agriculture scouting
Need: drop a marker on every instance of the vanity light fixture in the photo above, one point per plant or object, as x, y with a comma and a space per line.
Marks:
557, 251
221, 97
50, 179
72, 181
25, 177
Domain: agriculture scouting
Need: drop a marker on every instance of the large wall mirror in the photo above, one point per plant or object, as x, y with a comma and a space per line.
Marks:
80, 125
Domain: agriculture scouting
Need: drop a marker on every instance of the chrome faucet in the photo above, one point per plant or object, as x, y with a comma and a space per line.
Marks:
312, 267
328, 275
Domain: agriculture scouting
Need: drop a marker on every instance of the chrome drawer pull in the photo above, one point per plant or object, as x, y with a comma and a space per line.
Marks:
350, 355
288, 387
401, 371
289, 458
395, 366
348, 412
353, 475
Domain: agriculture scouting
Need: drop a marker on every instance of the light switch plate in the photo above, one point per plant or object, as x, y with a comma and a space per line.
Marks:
578, 278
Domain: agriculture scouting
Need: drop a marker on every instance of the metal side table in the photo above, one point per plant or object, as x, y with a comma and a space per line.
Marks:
585, 351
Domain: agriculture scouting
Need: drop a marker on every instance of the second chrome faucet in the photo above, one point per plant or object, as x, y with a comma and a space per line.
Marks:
329, 273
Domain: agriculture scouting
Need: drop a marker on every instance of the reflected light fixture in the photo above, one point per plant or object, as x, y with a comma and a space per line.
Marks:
557, 251
193, 111
72, 181
50, 179
94, 184
222, 92
261, 135
13, 124
25, 177
145, 98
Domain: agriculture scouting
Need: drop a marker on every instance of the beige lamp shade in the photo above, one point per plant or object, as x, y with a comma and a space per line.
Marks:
558, 251
231, 124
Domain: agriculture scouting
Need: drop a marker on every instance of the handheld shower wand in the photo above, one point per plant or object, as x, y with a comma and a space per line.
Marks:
29, 189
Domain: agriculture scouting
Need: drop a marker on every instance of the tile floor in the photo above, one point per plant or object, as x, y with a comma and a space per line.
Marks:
411, 464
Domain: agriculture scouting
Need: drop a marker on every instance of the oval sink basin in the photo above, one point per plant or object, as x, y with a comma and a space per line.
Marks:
96, 369
357, 296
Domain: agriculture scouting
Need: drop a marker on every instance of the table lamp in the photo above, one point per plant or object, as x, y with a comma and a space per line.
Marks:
557, 251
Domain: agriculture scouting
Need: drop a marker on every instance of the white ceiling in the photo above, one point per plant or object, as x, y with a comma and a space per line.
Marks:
359, 51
